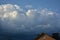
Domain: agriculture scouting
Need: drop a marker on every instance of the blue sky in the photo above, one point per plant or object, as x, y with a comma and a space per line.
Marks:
51, 4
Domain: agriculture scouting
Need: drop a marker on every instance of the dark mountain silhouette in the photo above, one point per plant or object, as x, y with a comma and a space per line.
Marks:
44, 36
56, 36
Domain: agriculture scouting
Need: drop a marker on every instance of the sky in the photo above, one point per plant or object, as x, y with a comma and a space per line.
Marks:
29, 16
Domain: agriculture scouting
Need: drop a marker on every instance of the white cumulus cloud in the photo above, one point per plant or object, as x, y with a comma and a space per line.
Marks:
13, 18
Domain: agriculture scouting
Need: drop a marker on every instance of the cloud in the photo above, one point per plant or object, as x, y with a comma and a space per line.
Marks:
28, 6
14, 19
31, 13
11, 16
43, 20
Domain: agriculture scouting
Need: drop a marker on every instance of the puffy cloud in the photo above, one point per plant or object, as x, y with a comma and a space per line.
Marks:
14, 19
43, 20
11, 16
31, 13
9, 11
